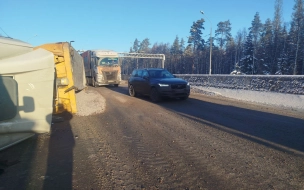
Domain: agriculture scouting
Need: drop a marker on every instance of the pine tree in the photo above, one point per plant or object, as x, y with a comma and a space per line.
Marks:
223, 33
135, 46
196, 34
175, 48
239, 48
266, 48
144, 45
255, 32
182, 45
247, 61
222, 36
297, 37
277, 32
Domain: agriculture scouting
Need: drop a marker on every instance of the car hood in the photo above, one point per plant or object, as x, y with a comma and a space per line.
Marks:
169, 80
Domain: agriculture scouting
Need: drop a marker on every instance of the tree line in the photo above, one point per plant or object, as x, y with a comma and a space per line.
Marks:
270, 48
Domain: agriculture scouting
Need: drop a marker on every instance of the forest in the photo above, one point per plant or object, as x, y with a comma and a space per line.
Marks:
270, 48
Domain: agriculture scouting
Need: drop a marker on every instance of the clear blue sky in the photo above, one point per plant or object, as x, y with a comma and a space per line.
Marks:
114, 24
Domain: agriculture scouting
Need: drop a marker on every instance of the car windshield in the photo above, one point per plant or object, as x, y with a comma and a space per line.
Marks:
160, 74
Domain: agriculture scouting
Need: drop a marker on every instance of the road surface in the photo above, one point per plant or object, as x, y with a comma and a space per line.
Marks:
204, 142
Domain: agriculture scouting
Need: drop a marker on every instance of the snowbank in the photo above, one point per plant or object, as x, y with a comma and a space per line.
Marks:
278, 90
268, 98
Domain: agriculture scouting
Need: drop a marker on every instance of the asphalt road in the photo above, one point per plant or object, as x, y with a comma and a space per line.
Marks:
204, 142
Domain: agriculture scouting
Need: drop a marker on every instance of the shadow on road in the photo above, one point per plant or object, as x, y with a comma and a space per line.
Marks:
279, 132
44, 161
15, 164
60, 154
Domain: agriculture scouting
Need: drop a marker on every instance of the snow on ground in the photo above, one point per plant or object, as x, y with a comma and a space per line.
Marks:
268, 98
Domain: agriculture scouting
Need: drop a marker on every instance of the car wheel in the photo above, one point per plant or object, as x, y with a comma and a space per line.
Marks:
155, 96
116, 85
132, 91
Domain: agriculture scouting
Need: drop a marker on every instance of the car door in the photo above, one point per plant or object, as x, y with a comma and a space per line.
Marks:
136, 81
145, 84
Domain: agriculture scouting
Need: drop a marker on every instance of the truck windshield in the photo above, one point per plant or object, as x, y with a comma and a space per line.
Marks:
108, 61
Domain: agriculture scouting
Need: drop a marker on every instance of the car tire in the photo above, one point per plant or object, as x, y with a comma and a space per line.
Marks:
132, 91
154, 95
116, 85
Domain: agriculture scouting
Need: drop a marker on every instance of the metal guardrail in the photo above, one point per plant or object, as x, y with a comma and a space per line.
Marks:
290, 84
144, 56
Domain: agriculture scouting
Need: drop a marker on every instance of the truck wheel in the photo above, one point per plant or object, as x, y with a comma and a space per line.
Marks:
155, 96
94, 82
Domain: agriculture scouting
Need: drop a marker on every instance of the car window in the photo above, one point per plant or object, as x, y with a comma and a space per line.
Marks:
160, 74
166, 74
139, 73
145, 74
134, 73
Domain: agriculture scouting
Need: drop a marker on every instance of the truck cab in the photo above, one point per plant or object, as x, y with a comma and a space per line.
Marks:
102, 67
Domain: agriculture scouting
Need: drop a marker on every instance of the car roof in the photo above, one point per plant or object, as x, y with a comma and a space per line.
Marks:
149, 69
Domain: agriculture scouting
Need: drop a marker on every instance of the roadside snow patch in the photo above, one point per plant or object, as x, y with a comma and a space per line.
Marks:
268, 98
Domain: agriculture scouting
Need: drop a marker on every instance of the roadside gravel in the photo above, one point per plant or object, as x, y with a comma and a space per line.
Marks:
89, 102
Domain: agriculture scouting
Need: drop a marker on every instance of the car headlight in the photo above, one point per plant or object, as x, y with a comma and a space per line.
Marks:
100, 77
188, 84
163, 85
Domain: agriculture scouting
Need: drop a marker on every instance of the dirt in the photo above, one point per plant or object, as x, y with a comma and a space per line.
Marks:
204, 142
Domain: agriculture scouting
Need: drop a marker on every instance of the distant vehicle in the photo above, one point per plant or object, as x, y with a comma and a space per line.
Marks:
102, 67
157, 83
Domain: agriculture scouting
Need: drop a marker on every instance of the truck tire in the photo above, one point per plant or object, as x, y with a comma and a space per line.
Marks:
94, 83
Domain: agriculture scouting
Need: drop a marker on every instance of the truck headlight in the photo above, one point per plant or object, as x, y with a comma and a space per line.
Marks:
100, 77
62, 81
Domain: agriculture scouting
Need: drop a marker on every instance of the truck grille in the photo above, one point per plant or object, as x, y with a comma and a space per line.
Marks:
178, 86
110, 75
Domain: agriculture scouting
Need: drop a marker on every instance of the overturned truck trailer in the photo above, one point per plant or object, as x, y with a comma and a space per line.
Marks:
26, 91
36, 83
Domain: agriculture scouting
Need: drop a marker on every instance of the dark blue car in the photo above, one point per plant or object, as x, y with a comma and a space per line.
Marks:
157, 83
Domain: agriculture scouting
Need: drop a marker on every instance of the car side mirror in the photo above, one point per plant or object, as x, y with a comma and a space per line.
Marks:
174, 76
